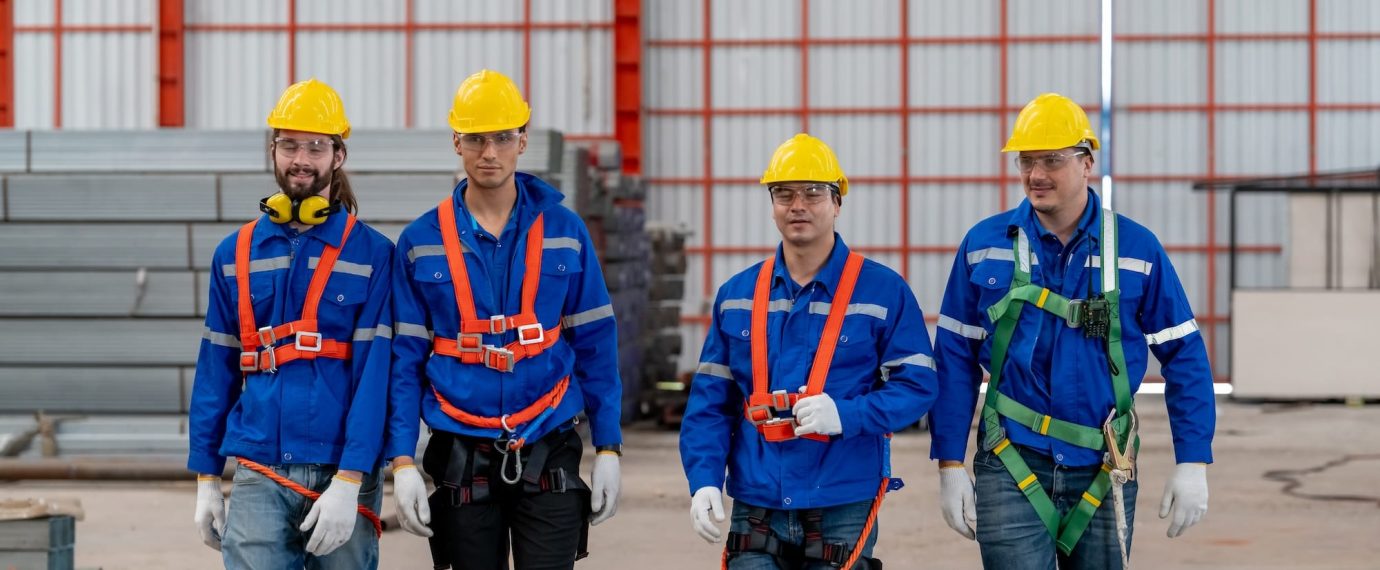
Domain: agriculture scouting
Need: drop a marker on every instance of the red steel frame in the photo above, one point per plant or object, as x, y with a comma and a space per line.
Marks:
170, 28
1003, 178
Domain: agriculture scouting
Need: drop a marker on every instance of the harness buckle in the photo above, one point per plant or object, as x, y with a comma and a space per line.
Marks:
778, 429
526, 338
498, 324
312, 344
498, 358
267, 337
249, 361
469, 342
1074, 318
272, 357
1121, 458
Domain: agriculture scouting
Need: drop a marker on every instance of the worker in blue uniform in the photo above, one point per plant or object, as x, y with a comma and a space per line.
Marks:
292, 376
813, 357
1066, 344
505, 334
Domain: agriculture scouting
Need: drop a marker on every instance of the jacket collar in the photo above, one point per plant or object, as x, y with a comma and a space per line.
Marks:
828, 275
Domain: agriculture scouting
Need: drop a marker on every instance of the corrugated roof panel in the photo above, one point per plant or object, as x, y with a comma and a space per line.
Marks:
102, 12
1262, 72
1158, 17
1069, 69
672, 19
1348, 16
1262, 16
1259, 144
364, 67
444, 59
855, 19
235, 78
475, 12
743, 145
757, 19
33, 85
34, 13
837, 79
944, 76
1348, 139
1160, 72
675, 145
869, 215
1071, 17
941, 214
238, 12
954, 145
573, 80
108, 81
755, 77
335, 11
866, 145
572, 11
1157, 144
678, 82
954, 19
1347, 71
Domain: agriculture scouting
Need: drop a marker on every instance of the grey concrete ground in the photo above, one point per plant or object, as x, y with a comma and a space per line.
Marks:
1251, 523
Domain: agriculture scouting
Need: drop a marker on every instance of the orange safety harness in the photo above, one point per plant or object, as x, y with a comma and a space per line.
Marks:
307, 341
764, 406
469, 347
305, 492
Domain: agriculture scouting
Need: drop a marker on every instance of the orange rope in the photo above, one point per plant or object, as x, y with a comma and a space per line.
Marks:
867, 528
305, 492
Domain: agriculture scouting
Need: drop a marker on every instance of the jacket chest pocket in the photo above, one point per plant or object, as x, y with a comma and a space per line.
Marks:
432, 278
560, 271
343, 299
857, 343
736, 328
991, 280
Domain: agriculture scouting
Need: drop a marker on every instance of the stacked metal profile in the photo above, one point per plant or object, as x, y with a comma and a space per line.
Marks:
661, 336
41, 543
611, 205
105, 243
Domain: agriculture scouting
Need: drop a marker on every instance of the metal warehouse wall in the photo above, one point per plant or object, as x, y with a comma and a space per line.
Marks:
916, 96
396, 62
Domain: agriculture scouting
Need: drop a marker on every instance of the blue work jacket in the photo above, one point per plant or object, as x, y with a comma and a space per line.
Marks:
1155, 317
882, 379
324, 410
571, 292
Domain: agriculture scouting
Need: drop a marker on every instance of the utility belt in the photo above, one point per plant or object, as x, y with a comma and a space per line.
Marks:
761, 539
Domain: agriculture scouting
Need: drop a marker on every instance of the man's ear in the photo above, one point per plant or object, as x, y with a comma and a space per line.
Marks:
522, 142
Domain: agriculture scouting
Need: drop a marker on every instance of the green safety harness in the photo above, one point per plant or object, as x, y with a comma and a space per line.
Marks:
1099, 317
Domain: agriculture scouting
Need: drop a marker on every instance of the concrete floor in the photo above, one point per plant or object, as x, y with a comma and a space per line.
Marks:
1251, 523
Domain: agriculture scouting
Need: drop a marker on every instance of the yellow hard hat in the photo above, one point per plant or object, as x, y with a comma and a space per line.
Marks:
488, 101
310, 106
805, 158
1051, 122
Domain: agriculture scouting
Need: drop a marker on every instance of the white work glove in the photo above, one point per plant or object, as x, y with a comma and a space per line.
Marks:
210, 511
707, 501
603, 499
333, 516
956, 500
414, 512
817, 414
1186, 496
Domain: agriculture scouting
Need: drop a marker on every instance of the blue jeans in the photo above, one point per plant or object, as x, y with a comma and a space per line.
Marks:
263, 517
843, 523
1010, 533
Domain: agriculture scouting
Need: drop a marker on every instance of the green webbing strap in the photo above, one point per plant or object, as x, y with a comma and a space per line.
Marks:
1068, 529
1033, 294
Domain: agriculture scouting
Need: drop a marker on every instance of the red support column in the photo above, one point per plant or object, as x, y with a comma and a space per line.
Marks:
905, 139
804, 66
409, 63
707, 96
57, 64
1211, 197
6, 64
292, 41
527, 50
627, 82
1003, 45
171, 70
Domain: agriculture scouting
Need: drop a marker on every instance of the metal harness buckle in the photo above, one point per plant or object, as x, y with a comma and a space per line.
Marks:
475, 342
1074, 318
314, 346
523, 338
249, 361
266, 336
498, 324
498, 358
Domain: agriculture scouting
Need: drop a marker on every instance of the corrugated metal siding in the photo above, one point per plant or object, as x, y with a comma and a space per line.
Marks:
34, 98
109, 81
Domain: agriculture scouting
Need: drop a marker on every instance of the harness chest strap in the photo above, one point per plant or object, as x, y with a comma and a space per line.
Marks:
763, 404
469, 346
307, 341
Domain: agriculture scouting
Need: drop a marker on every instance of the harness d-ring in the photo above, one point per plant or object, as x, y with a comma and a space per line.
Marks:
504, 422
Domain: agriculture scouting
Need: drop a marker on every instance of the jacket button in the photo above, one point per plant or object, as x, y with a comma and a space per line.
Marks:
991, 280
1059, 457
786, 501
340, 298
843, 339
745, 333
560, 268
436, 275
287, 457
